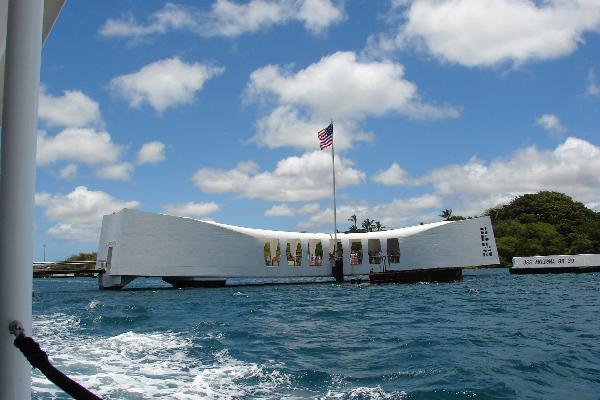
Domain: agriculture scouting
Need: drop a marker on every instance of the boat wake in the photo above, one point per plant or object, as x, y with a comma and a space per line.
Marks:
151, 365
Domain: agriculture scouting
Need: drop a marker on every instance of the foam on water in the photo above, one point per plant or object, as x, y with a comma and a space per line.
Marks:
147, 365
93, 304
229, 378
375, 393
154, 365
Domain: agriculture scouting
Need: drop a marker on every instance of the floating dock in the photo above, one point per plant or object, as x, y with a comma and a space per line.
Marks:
66, 273
556, 264
416, 275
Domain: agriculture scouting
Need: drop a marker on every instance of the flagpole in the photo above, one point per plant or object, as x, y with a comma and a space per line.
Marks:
338, 262
337, 268
334, 206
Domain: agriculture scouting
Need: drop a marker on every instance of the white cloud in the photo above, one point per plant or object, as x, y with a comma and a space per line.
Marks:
318, 15
570, 168
170, 17
83, 145
231, 19
551, 123
485, 33
86, 146
285, 210
594, 206
68, 172
164, 83
78, 215
191, 209
395, 214
285, 127
72, 109
228, 18
592, 88
151, 153
339, 86
118, 172
403, 209
294, 178
472, 188
394, 175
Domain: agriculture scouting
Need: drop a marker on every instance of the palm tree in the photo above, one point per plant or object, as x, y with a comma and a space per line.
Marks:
367, 225
379, 226
446, 214
353, 227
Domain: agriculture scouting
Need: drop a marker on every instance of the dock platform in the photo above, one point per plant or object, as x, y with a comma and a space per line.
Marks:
416, 275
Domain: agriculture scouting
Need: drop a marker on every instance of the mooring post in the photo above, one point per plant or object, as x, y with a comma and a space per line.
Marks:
17, 185
338, 270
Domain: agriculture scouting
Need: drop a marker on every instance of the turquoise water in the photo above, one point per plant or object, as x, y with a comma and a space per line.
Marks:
491, 336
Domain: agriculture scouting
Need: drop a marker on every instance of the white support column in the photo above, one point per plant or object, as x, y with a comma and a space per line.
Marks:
17, 185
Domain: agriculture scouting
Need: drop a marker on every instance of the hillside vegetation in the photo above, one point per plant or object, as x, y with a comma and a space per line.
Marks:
542, 224
82, 257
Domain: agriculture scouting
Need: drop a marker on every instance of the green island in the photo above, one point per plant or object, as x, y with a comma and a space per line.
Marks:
541, 224
77, 263
544, 223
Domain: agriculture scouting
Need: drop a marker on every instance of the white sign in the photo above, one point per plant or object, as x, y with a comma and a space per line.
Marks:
577, 260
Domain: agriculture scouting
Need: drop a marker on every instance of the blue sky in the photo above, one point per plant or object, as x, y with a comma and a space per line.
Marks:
211, 109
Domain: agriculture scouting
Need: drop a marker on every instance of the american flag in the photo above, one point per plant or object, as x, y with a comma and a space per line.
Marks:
326, 136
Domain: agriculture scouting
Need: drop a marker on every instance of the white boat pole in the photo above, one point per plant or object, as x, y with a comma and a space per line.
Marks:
17, 185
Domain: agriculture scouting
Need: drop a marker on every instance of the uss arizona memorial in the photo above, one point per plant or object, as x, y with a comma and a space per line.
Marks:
189, 252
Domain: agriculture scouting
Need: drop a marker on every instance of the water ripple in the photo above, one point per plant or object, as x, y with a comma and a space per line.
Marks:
491, 336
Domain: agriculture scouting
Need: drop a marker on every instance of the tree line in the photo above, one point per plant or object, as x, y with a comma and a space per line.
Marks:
82, 257
542, 224
367, 225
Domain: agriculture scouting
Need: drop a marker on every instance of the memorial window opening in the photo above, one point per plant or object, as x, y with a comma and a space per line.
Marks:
374, 248
393, 251
293, 253
272, 253
315, 253
356, 252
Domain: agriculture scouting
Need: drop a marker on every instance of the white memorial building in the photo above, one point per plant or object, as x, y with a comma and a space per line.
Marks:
190, 252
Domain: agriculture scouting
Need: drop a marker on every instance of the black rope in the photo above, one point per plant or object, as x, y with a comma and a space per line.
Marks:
39, 359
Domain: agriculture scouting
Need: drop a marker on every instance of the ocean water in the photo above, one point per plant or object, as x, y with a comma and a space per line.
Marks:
491, 336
